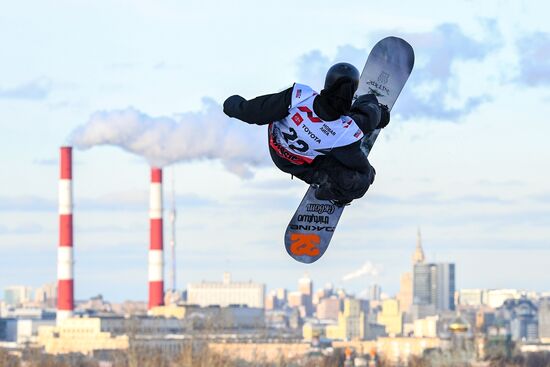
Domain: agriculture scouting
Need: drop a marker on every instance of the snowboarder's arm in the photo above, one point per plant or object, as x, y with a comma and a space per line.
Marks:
368, 114
261, 110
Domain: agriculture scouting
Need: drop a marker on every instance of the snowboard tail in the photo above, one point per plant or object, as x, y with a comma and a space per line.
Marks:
309, 232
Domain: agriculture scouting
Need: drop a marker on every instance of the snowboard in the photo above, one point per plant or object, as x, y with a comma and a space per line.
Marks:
386, 71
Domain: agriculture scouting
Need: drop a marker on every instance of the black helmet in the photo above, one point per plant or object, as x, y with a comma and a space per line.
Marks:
339, 71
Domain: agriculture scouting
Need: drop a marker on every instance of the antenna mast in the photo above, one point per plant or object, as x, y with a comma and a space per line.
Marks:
172, 274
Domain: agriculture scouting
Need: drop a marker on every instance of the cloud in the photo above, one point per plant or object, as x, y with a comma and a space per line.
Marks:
445, 44
542, 198
534, 59
63, 104
313, 66
116, 201
432, 90
37, 89
27, 203
46, 162
501, 183
434, 199
22, 229
53, 162
163, 65
123, 65
368, 269
208, 134
136, 201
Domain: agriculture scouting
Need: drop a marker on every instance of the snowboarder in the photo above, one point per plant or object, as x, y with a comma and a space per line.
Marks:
317, 137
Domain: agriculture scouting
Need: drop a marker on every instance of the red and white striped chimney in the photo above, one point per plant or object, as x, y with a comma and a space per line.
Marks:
156, 255
65, 285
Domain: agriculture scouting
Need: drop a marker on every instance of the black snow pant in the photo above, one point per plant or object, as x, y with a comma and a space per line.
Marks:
336, 181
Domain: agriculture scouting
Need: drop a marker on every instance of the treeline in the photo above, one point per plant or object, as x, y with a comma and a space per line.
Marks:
197, 357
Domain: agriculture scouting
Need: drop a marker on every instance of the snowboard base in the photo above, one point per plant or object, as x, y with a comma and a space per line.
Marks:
311, 228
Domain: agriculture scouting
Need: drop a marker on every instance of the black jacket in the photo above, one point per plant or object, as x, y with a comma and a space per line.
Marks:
268, 108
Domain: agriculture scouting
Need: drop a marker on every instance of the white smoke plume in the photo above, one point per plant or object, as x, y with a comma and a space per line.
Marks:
368, 269
208, 134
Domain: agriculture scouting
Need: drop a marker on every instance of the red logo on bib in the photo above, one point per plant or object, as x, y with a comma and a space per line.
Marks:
309, 114
297, 119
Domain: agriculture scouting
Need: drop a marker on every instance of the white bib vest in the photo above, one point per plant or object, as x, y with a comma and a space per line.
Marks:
302, 135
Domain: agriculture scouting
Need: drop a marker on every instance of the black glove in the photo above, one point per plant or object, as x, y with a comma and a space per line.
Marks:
363, 100
232, 104
384, 116
366, 112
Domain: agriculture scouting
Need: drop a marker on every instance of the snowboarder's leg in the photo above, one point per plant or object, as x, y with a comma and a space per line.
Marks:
305, 172
335, 181
340, 183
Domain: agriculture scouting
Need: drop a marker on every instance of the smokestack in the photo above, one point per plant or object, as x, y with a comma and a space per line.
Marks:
65, 284
156, 256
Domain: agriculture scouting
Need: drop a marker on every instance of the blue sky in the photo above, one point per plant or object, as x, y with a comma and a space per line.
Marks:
465, 156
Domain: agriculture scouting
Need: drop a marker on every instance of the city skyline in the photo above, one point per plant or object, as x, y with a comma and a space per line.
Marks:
420, 294
459, 159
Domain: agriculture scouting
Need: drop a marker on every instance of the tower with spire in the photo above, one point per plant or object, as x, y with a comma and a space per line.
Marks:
418, 257
433, 284
405, 295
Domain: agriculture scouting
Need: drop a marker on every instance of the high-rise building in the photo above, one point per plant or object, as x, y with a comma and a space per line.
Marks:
271, 301
305, 287
296, 299
434, 284
374, 292
405, 295
544, 320
391, 316
281, 296
226, 293
351, 322
17, 295
319, 295
423, 284
328, 308
445, 286
46, 293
